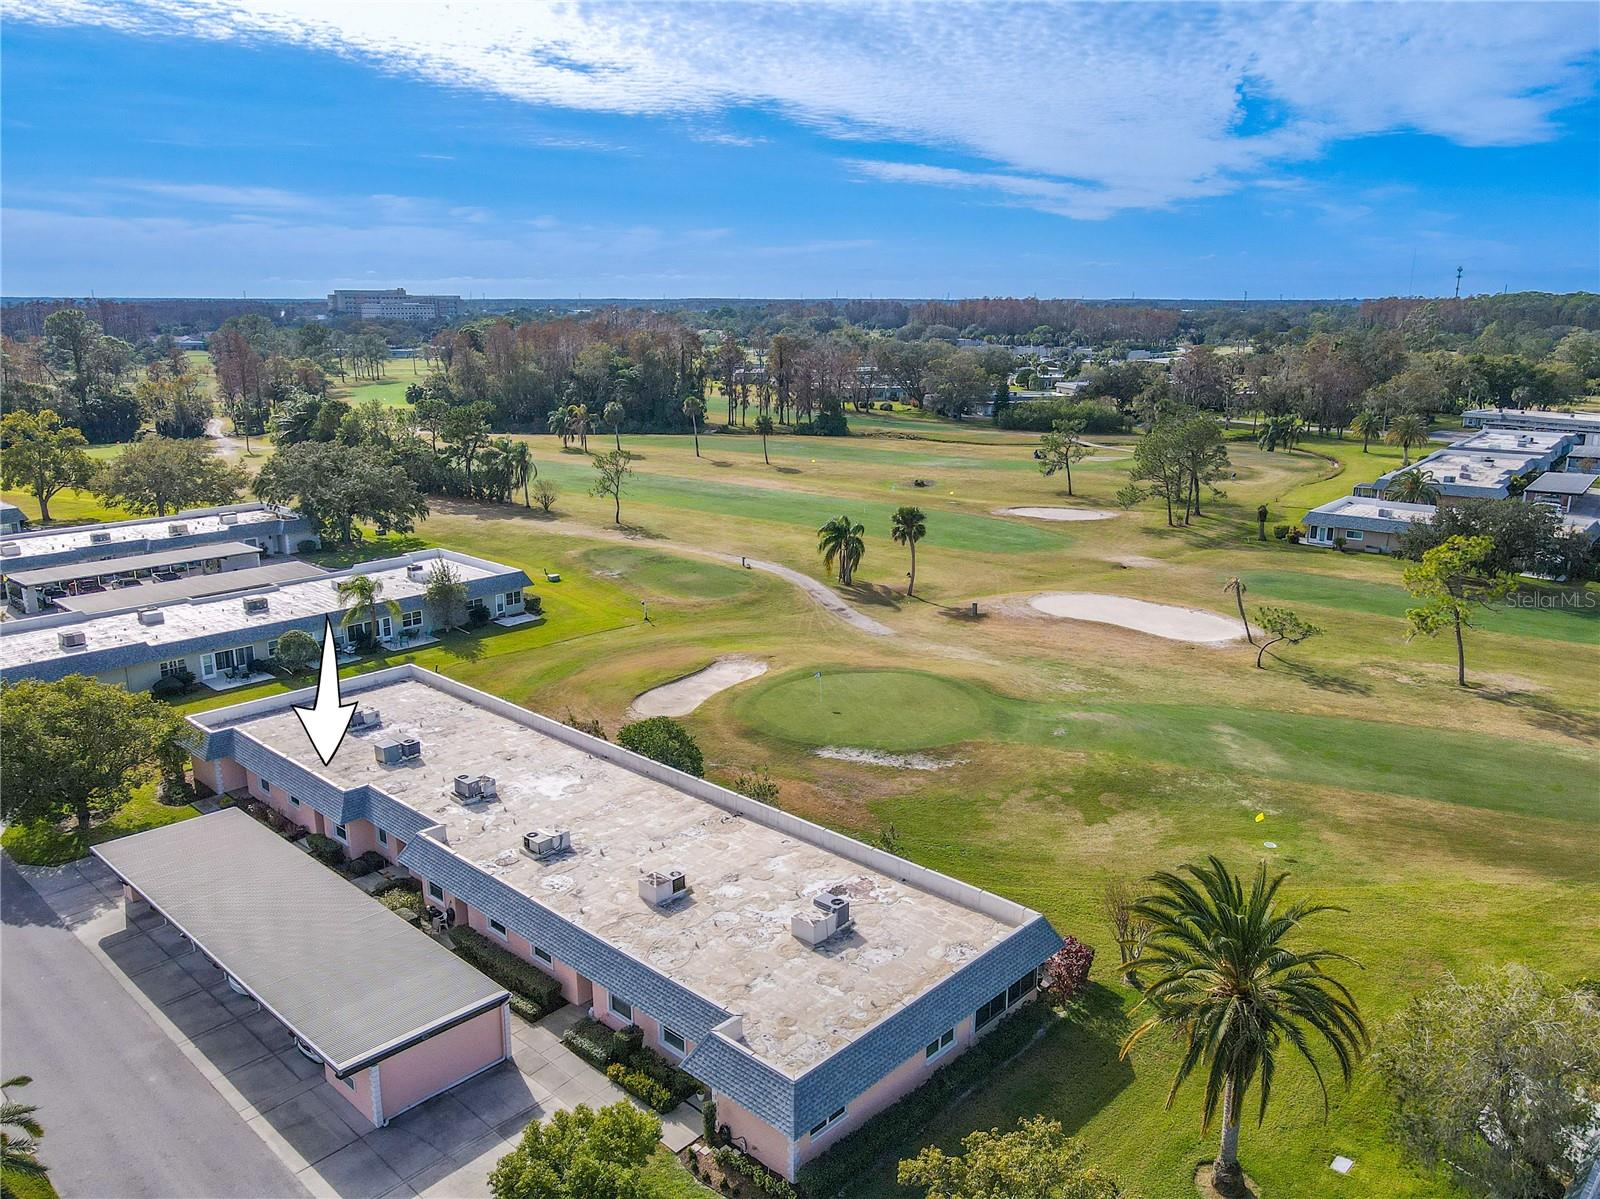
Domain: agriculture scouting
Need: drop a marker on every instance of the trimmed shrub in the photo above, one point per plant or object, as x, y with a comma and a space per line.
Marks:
642, 1087
402, 902
528, 1009
507, 969
894, 1129
168, 688
626, 1043
592, 1041
414, 885
708, 1121
325, 849
532, 604
1281, 532
664, 740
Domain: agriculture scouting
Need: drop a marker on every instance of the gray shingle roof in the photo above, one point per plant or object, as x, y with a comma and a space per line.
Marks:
339, 969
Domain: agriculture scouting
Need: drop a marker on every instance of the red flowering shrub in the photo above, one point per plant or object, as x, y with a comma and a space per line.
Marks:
1067, 971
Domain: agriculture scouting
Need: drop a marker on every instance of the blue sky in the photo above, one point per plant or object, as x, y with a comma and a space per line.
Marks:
191, 147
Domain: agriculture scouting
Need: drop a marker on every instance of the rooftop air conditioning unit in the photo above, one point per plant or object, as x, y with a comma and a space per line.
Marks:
230, 518
547, 843
10, 548
255, 605
1385, 512
152, 616
486, 787
830, 916
415, 569
99, 538
660, 889
466, 787
388, 752
178, 528
72, 639
365, 718
410, 747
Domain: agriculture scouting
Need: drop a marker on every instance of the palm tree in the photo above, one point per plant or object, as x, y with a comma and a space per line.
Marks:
560, 423
694, 408
1407, 430
578, 414
1236, 585
1414, 486
907, 527
1234, 994
519, 461
614, 414
362, 595
841, 544
19, 1136
1368, 423
764, 427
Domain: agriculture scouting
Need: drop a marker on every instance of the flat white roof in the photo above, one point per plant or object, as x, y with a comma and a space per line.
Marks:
1532, 441
29, 641
729, 942
55, 541
1455, 469
1490, 417
1365, 508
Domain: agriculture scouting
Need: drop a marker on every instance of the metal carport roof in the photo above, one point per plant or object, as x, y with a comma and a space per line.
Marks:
146, 595
153, 560
345, 974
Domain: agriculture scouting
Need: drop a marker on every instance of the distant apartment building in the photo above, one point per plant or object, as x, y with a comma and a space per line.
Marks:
219, 638
393, 304
267, 527
1571, 496
1484, 466
808, 980
67, 586
1582, 427
12, 519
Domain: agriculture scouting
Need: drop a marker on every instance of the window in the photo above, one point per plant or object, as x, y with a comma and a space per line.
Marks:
542, 954
1354, 535
272, 648
350, 1081
264, 785
823, 1125
383, 837
673, 1040
294, 801
621, 1007
340, 833
175, 667
411, 620
496, 927
513, 598
435, 891
939, 1044
1021, 987
990, 1011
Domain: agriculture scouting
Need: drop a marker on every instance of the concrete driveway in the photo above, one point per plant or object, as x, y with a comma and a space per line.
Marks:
441, 1149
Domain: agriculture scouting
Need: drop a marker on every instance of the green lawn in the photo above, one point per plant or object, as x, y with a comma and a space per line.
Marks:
666, 1178
868, 709
1564, 620
51, 845
1349, 467
668, 574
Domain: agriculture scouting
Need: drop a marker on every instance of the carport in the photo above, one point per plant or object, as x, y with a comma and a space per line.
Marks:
393, 1017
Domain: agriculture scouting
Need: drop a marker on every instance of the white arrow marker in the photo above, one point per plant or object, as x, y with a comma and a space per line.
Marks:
328, 719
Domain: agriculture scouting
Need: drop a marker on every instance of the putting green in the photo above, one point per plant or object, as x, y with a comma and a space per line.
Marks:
668, 574
869, 709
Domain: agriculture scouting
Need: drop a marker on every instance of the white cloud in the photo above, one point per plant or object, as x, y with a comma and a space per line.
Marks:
1080, 110
216, 194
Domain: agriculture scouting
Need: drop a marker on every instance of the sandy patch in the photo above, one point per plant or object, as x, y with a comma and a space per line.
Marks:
1135, 561
1057, 513
682, 696
874, 757
1160, 620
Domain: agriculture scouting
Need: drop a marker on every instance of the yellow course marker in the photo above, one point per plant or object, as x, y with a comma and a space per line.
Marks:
1260, 816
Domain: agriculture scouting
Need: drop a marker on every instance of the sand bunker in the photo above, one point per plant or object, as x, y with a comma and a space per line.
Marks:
874, 757
1058, 513
682, 696
1160, 620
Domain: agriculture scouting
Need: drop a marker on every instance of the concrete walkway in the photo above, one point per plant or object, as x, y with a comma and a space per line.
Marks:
442, 1149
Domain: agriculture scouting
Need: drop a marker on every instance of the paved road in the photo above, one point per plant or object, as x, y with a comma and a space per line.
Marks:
126, 1115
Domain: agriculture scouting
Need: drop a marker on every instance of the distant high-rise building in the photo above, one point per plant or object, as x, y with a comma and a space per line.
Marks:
393, 304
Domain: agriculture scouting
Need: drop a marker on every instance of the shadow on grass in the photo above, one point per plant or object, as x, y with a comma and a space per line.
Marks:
1542, 711
873, 594
788, 470
388, 546
1323, 680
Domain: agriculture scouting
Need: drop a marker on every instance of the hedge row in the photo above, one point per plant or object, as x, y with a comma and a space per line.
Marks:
591, 1041
894, 1128
642, 1087
507, 969
603, 1047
